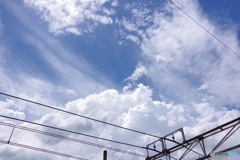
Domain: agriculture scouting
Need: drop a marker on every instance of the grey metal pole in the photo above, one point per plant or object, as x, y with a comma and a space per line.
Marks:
105, 155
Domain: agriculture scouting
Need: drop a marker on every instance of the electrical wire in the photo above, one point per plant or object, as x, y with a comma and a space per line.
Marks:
75, 114
113, 141
74, 132
215, 37
71, 139
42, 150
123, 143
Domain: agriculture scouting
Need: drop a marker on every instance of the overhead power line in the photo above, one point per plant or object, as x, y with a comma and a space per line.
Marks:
71, 139
42, 150
215, 37
78, 115
54, 108
74, 132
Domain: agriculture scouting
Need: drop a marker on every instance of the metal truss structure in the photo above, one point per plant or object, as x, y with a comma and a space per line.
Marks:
195, 146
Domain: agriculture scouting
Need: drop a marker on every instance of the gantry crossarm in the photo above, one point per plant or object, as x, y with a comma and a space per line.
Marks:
233, 125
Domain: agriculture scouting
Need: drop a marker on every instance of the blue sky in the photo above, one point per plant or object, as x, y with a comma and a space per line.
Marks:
126, 62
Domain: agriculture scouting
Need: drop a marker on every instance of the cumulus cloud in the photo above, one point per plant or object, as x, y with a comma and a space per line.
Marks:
13, 113
132, 108
76, 16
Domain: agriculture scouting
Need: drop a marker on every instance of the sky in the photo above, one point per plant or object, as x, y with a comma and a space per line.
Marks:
141, 64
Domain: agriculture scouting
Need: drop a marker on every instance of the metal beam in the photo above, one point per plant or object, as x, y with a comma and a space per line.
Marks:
167, 151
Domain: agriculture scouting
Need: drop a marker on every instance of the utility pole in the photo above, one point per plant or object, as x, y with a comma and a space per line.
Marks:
104, 155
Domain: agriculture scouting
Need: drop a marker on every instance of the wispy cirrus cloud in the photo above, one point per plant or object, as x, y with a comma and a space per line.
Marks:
181, 57
73, 75
1, 27
76, 16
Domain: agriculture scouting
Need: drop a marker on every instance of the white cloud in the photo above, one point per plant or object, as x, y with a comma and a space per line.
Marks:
139, 72
134, 109
181, 57
132, 28
31, 82
179, 64
1, 27
115, 3
75, 16
133, 38
13, 113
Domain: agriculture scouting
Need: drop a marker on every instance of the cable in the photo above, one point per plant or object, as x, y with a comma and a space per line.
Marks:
71, 139
43, 150
97, 145
74, 132
47, 106
205, 29
75, 114
82, 117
